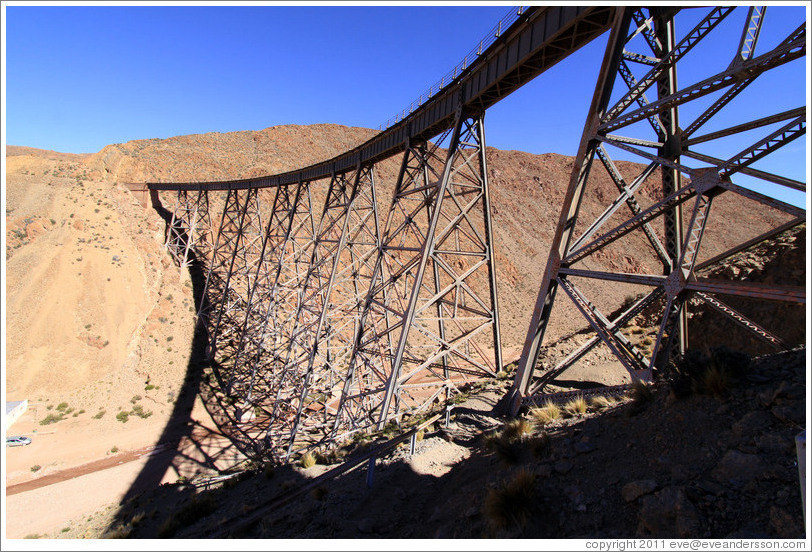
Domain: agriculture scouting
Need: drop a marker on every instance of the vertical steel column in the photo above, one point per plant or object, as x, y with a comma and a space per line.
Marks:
292, 383
174, 231
203, 242
230, 297
672, 147
489, 243
280, 230
425, 252
619, 127
570, 208
295, 264
675, 286
366, 372
257, 301
224, 248
246, 261
436, 270
182, 228
340, 197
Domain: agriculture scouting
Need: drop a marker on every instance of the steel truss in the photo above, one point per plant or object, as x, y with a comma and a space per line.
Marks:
181, 228
258, 331
189, 231
656, 132
258, 369
429, 320
319, 332
329, 300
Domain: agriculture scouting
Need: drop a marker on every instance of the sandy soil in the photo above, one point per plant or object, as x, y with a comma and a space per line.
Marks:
95, 309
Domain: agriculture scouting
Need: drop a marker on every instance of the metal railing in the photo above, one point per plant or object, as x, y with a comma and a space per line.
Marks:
503, 24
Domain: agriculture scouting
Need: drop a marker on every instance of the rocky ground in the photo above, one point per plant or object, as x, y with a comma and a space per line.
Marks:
616, 471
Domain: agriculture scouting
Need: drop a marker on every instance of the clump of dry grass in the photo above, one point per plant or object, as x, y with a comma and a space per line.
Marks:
516, 429
541, 445
331, 456
511, 503
640, 395
641, 392
601, 402
507, 442
698, 373
576, 407
308, 460
199, 507
546, 414
138, 518
118, 532
715, 381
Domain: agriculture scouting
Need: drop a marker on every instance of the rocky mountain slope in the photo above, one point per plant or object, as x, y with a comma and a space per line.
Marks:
526, 192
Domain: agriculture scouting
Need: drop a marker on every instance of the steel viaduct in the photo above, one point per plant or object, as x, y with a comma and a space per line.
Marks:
324, 322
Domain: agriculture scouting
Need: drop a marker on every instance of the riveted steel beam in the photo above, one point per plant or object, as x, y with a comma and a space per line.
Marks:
569, 210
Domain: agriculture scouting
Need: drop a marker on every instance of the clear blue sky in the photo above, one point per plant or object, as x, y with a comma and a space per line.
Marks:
81, 77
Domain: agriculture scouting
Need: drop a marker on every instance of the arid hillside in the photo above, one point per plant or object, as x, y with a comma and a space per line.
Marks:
100, 322
527, 191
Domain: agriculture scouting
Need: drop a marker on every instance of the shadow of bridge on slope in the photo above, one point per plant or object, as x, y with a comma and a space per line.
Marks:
188, 446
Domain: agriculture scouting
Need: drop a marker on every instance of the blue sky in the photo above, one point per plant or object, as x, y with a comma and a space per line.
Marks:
81, 77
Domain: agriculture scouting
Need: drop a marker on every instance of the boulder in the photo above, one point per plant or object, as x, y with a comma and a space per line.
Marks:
668, 514
738, 468
634, 490
752, 423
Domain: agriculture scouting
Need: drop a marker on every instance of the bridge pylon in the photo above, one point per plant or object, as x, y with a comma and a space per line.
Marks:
645, 51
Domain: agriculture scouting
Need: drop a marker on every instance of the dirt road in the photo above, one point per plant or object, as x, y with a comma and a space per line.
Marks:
90, 467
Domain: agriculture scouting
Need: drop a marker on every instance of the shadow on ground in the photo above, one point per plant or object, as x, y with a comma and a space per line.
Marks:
701, 466
187, 446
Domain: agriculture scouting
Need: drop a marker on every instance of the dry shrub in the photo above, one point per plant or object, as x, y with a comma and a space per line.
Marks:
308, 460
118, 532
577, 406
509, 442
516, 429
546, 414
641, 392
641, 395
715, 381
698, 373
198, 508
511, 503
138, 518
541, 445
601, 402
